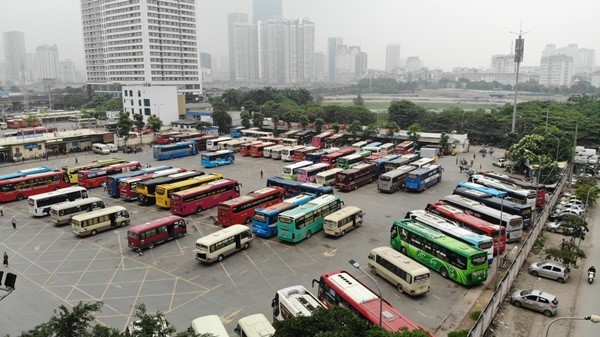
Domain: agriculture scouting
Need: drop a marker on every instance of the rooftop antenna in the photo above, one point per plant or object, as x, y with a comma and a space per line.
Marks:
519, 48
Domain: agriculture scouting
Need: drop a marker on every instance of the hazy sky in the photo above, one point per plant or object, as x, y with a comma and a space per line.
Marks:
443, 33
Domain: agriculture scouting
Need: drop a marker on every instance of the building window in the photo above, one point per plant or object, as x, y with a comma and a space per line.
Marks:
125, 93
139, 93
139, 102
131, 93
146, 102
140, 109
147, 111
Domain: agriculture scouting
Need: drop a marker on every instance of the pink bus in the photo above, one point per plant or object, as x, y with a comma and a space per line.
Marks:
203, 197
319, 140
308, 174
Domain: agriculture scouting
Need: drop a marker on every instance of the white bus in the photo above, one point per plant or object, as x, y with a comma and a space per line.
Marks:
289, 142
210, 324
100, 220
267, 151
286, 153
100, 148
276, 153
256, 325
405, 274
327, 178
342, 221
359, 145
233, 145
292, 302
62, 213
289, 171
255, 133
39, 204
387, 148
213, 144
393, 180
216, 246
514, 193
422, 162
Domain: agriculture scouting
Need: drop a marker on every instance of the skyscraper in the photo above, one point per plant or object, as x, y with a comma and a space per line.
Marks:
392, 57
141, 42
267, 10
333, 44
46, 62
232, 20
67, 71
246, 52
14, 56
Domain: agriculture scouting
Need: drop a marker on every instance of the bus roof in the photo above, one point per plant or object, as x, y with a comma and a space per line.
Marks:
78, 202
407, 263
153, 224
210, 324
342, 213
221, 234
98, 212
57, 192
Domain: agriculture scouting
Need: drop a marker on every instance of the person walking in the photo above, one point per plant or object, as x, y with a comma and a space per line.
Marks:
76, 161
14, 222
5, 260
262, 173
1, 210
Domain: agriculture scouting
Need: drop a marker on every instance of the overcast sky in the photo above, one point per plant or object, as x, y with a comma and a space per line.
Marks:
443, 33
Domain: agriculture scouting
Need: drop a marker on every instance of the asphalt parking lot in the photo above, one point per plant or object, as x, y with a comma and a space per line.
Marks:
54, 267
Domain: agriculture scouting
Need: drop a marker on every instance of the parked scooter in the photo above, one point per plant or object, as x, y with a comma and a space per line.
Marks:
591, 274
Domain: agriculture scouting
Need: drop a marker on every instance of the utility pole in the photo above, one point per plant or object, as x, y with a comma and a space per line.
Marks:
519, 48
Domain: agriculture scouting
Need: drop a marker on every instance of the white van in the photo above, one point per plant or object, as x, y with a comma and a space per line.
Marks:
113, 147
100, 148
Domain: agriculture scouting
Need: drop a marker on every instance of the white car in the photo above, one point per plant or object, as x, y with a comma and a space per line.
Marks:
561, 208
499, 163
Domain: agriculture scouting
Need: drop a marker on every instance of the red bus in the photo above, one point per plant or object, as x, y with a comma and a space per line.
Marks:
256, 150
540, 190
241, 209
340, 288
37, 130
127, 187
275, 140
355, 177
165, 137
23, 187
406, 147
149, 234
299, 154
472, 223
374, 156
245, 148
197, 199
201, 141
182, 137
319, 140
96, 177
331, 158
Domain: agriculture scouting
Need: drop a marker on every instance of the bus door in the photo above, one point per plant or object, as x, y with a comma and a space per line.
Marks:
171, 230
113, 220
238, 242
84, 195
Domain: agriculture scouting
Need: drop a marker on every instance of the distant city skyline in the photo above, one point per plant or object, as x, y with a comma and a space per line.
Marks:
463, 33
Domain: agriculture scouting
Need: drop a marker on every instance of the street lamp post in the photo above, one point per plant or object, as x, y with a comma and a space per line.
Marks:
357, 266
587, 199
592, 318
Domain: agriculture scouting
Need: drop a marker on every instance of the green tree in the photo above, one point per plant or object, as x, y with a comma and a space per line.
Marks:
355, 128
231, 97
413, 132
222, 119
124, 124
150, 325
405, 112
392, 128
155, 123
257, 119
319, 122
275, 119
245, 115
303, 120
138, 121
358, 100
587, 192
200, 125
568, 252
444, 142
336, 127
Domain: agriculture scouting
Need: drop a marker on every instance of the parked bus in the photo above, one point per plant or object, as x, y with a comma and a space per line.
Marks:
256, 150
127, 186
513, 224
289, 142
301, 222
408, 276
165, 137
39, 204
25, 172
403, 160
474, 224
500, 204
245, 148
163, 192
406, 147
315, 157
256, 325
255, 133
340, 222
241, 209
287, 153
290, 171
150, 234
299, 154
293, 188
264, 221
146, 189
453, 230
218, 158
359, 145
327, 178
394, 180
423, 162
112, 182
331, 158
175, 150
304, 136
213, 144
99, 176
514, 193
201, 141
319, 140
348, 161
341, 288
540, 189
267, 151
24, 187
209, 195
483, 189
215, 246
233, 145
308, 174
294, 301
335, 140
236, 132
271, 139
451, 258
380, 161
387, 148
290, 134
423, 178
276, 153
355, 177
100, 220
72, 171
209, 325
61, 214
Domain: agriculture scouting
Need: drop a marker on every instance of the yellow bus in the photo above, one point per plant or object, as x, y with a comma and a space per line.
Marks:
163, 192
340, 222
405, 274
72, 171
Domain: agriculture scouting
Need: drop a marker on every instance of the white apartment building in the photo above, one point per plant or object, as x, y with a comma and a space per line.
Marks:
556, 70
46, 62
141, 42
162, 101
15, 62
392, 58
503, 64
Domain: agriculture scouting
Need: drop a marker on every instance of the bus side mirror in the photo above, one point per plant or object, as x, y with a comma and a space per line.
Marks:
313, 282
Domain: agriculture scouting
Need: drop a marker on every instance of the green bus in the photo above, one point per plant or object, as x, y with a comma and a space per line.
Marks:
303, 221
350, 160
451, 258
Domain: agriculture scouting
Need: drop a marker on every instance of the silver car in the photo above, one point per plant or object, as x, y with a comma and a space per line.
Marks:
537, 300
550, 269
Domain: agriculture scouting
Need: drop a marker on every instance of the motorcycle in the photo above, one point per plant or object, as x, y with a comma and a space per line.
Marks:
591, 276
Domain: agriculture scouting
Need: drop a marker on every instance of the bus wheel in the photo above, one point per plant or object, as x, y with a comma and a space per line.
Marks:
400, 288
343, 233
199, 209
220, 258
123, 224
94, 232
444, 272
20, 197
403, 250
247, 220
150, 246
308, 234
246, 245
374, 270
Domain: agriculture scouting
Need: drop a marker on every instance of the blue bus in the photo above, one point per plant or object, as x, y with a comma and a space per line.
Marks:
293, 187
218, 158
423, 178
315, 157
112, 182
236, 132
478, 187
374, 144
175, 150
380, 162
26, 172
264, 221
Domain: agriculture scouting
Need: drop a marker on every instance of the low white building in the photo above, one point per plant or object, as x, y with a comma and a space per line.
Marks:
162, 101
